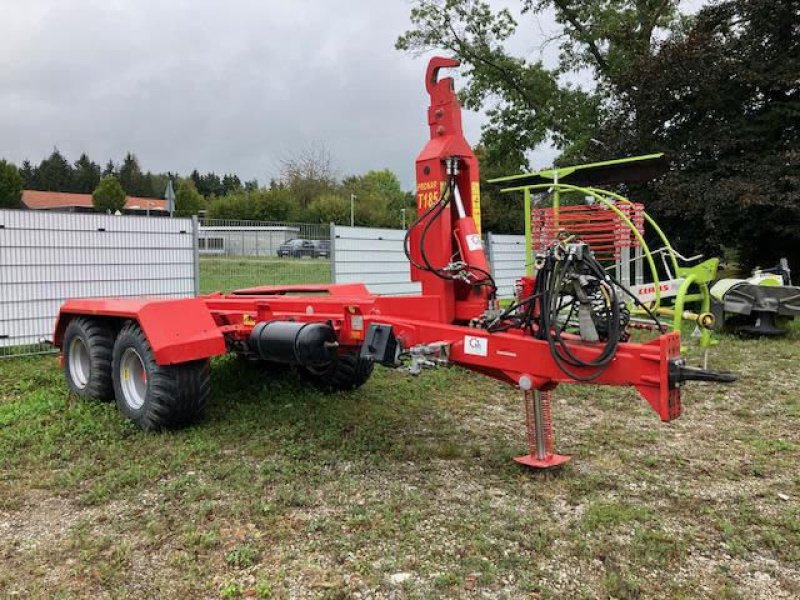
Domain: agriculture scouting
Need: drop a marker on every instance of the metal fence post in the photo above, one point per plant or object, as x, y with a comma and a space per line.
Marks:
333, 251
489, 253
196, 253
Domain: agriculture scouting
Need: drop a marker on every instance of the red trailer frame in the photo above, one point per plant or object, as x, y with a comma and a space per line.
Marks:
439, 323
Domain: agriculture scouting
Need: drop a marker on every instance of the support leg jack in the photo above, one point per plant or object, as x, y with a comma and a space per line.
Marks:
539, 425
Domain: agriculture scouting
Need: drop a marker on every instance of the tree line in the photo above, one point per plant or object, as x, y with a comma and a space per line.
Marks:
308, 189
57, 174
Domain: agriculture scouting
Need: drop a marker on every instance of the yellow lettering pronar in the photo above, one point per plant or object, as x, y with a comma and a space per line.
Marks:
428, 194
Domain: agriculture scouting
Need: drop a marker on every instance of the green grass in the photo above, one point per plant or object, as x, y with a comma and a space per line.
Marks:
227, 273
283, 493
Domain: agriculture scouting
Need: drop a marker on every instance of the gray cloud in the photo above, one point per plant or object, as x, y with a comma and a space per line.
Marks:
224, 86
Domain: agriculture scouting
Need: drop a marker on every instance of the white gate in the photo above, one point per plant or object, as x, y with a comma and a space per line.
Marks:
371, 256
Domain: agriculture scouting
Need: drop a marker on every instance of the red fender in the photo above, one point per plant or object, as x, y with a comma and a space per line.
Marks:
179, 330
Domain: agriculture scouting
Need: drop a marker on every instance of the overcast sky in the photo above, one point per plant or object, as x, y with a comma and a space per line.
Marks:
225, 86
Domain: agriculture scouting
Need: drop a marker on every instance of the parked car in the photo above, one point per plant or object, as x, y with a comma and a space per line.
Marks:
297, 248
323, 249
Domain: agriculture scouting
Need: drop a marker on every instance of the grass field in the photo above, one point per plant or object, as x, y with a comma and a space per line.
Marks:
405, 488
226, 273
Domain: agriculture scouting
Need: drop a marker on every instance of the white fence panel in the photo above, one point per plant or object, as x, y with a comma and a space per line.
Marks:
507, 253
48, 257
373, 257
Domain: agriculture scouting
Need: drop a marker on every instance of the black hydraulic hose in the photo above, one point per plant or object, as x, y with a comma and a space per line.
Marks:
548, 291
415, 224
432, 214
550, 281
443, 203
612, 317
488, 280
641, 304
601, 362
510, 310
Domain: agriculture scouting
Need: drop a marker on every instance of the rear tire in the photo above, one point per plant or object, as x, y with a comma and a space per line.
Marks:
157, 396
87, 358
346, 373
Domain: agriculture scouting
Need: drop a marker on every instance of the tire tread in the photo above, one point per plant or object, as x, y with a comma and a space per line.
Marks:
177, 395
348, 372
99, 339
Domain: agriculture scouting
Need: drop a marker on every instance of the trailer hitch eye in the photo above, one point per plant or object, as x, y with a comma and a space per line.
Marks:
680, 372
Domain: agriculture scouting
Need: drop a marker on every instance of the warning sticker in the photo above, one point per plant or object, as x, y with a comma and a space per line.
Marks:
474, 242
476, 205
477, 346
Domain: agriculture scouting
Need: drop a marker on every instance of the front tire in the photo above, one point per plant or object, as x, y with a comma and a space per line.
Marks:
156, 396
87, 358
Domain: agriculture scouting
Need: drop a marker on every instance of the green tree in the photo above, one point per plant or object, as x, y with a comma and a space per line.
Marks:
86, 175
330, 208
231, 207
500, 213
110, 169
212, 184
273, 205
231, 183
526, 103
209, 184
723, 101
109, 195
260, 205
158, 184
28, 172
379, 198
188, 200
54, 174
131, 178
308, 174
151, 185
11, 183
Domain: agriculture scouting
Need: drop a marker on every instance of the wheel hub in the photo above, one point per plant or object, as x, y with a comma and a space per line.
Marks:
79, 363
133, 379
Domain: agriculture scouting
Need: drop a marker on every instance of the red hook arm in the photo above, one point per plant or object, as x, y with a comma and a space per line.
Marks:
436, 88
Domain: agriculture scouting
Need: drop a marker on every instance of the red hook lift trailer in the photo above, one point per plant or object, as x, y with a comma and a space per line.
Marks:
152, 355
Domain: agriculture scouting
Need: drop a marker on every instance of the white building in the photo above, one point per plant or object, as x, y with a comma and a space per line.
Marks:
235, 240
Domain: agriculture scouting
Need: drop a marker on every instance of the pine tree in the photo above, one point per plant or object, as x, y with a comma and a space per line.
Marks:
131, 177
110, 169
86, 175
55, 174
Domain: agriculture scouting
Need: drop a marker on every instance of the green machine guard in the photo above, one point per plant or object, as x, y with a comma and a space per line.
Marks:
695, 280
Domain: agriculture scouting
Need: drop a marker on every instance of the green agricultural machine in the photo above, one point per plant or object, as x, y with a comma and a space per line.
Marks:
761, 305
663, 282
